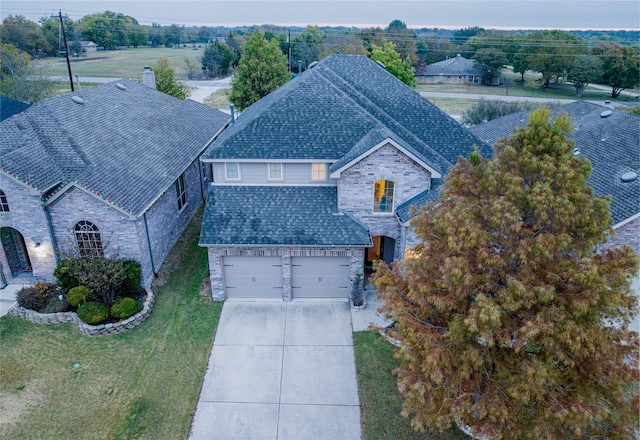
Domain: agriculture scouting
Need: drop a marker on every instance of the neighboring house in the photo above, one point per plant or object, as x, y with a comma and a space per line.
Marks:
316, 181
610, 139
457, 70
88, 46
10, 107
111, 170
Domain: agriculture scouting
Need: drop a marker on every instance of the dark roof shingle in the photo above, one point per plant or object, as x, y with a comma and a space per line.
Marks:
329, 109
124, 146
272, 215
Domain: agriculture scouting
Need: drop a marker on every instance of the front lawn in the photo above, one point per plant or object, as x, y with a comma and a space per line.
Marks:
380, 400
140, 384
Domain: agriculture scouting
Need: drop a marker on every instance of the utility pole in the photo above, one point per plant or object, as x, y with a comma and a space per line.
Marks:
66, 50
289, 46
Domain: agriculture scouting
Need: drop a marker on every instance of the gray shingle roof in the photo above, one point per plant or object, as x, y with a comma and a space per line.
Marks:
325, 112
612, 144
10, 107
124, 146
457, 65
271, 215
409, 209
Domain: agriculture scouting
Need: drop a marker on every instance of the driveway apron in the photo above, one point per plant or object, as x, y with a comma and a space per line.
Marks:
280, 371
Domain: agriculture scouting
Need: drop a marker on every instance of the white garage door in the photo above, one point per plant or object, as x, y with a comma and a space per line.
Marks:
253, 277
320, 277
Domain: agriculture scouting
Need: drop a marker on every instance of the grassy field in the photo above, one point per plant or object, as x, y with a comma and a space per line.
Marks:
380, 400
122, 63
142, 384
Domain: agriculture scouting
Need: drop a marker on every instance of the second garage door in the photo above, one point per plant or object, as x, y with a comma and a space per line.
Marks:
320, 277
253, 277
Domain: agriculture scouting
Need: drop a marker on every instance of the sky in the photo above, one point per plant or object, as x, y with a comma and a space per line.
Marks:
490, 14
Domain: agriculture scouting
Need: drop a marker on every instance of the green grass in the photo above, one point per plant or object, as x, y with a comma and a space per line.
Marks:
564, 91
380, 400
142, 384
122, 63
219, 99
452, 106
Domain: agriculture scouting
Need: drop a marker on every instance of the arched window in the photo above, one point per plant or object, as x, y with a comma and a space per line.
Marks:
4, 204
383, 196
88, 238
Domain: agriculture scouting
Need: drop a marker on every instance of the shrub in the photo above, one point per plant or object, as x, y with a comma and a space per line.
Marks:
77, 296
35, 297
486, 110
123, 308
106, 278
93, 312
55, 305
133, 278
66, 274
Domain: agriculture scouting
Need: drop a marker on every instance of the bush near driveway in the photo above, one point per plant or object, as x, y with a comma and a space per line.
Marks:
140, 384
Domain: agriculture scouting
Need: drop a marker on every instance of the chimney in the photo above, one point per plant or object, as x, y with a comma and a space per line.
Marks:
148, 78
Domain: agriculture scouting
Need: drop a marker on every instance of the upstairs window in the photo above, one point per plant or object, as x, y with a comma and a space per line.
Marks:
275, 171
4, 204
232, 170
383, 196
181, 192
319, 171
88, 239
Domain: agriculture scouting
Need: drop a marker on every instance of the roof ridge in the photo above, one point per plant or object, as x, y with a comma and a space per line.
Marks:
386, 116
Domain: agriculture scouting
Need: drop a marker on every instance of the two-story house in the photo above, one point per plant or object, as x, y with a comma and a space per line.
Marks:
111, 170
317, 180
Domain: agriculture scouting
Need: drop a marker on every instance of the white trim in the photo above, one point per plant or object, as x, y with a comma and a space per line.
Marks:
272, 160
275, 183
281, 178
434, 174
226, 173
627, 220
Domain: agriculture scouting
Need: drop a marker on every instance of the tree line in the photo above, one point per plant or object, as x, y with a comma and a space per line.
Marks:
581, 57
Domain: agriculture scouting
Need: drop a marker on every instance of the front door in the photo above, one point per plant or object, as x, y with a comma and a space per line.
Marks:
15, 250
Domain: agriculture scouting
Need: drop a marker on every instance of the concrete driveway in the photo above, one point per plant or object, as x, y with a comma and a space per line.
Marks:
280, 371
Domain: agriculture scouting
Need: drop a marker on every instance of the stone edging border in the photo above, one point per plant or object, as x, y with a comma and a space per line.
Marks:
86, 329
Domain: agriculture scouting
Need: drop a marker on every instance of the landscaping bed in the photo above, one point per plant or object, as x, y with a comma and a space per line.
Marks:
142, 384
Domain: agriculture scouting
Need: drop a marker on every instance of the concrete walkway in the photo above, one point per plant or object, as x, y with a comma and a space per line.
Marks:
280, 371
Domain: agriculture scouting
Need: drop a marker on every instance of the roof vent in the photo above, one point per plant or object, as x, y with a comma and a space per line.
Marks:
381, 64
629, 176
606, 114
312, 65
576, 151
77, 99
121, 86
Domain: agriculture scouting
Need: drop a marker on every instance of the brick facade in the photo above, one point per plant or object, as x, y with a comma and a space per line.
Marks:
355, 190
121, 234
27, 217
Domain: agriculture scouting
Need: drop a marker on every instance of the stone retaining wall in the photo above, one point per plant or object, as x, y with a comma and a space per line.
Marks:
87, 329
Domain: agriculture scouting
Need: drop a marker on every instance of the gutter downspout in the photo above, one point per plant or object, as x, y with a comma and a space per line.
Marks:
146, 230
54, 242
200, 163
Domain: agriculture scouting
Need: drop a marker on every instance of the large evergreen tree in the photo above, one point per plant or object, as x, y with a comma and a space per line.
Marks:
262, 69
510, 324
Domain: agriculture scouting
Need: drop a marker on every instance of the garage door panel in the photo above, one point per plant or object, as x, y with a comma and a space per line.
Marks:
320, 277
253, 277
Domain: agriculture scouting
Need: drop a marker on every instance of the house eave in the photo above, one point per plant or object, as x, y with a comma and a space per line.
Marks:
434, 173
